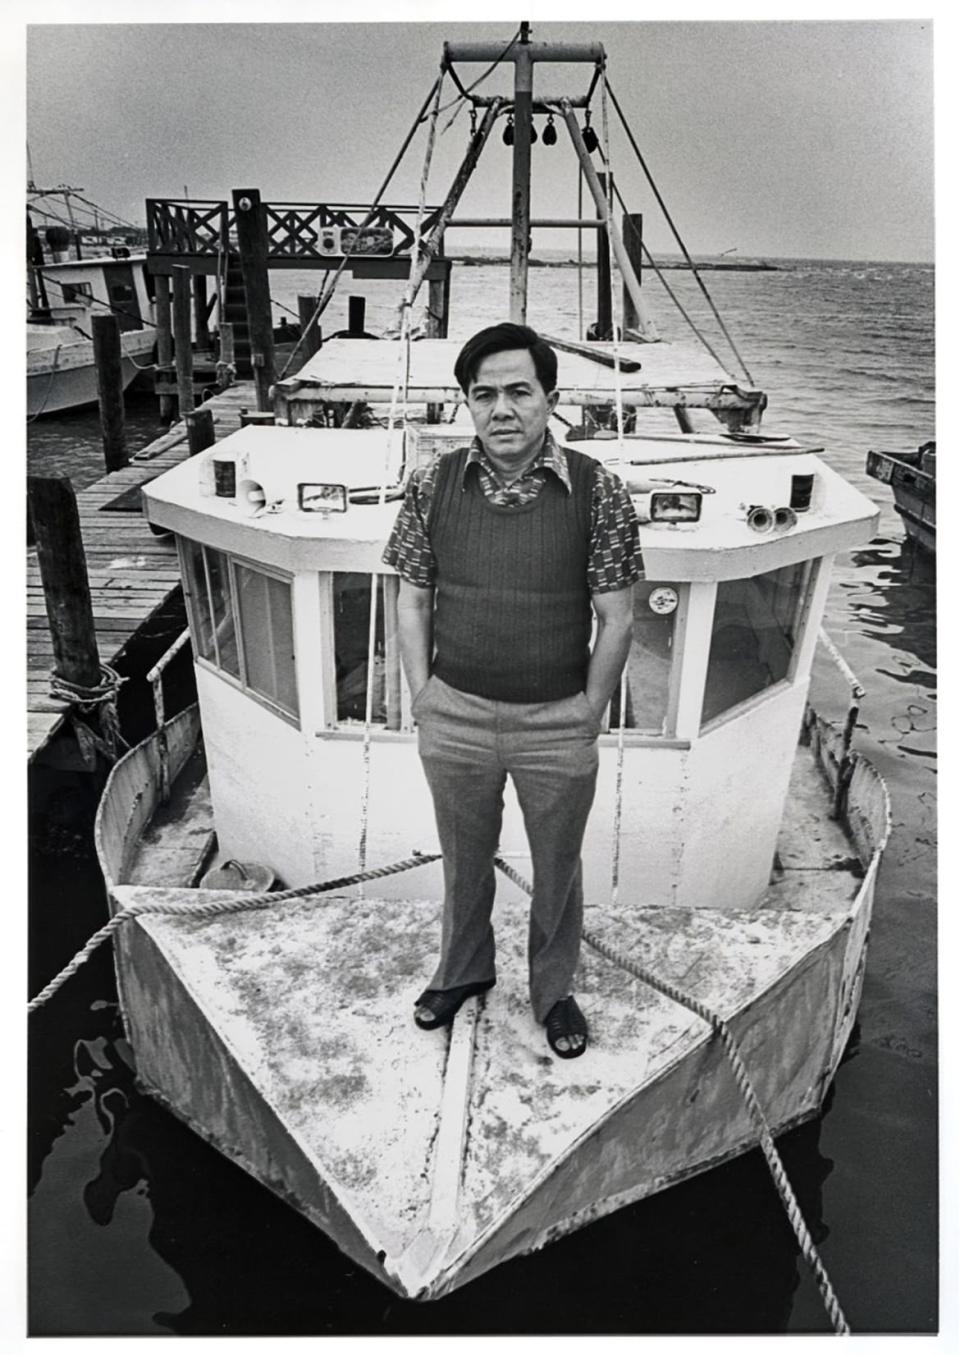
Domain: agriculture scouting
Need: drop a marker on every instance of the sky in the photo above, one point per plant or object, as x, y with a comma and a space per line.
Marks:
769, 139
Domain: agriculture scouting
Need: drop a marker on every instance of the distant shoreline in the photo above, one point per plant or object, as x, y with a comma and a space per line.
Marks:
477, 260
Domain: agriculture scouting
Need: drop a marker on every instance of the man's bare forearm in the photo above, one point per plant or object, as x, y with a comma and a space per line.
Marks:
611, 647
415, 633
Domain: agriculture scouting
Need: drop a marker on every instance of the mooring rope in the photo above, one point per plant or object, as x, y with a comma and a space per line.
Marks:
742, 1078
218, 908
84, 700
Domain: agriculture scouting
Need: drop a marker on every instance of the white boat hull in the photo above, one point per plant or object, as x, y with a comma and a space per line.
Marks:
63, 376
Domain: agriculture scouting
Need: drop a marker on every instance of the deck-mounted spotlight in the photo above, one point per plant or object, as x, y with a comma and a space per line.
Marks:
508, 132
550, 133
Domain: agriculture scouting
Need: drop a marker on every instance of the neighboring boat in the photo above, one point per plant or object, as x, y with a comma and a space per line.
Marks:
61, 373
64, 295
912, 476
723, 858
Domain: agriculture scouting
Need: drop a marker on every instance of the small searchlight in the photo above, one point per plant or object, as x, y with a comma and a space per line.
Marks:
319, 498
675, 506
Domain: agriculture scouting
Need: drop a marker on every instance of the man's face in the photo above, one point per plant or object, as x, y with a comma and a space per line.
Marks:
510, 408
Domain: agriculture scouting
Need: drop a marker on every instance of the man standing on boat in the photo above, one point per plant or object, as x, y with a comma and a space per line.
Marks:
506, 550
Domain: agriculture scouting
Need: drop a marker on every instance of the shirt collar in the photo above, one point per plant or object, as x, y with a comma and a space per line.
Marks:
550, 457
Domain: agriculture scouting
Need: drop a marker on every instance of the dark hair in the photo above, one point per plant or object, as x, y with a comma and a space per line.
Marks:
499, 339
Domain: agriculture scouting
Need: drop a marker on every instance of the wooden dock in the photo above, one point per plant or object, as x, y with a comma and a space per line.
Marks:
132, 571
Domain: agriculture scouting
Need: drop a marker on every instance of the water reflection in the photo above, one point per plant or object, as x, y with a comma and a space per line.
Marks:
712, 1255
901, 603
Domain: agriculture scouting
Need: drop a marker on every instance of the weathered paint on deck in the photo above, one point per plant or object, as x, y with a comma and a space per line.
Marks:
283, 1036
132, 571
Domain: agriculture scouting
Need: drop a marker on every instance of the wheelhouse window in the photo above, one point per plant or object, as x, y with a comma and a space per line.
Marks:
650, 662
756, 626
74, 292
242, 624
351, 640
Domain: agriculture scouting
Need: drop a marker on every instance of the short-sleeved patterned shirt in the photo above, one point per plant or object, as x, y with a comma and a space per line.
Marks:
614, 555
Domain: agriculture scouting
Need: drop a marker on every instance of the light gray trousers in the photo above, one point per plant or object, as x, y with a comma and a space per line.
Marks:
468, 745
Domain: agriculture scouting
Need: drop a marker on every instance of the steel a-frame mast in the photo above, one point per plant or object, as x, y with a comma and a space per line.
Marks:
524, 54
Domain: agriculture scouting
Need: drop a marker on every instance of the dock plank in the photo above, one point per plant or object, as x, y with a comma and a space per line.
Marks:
131, 570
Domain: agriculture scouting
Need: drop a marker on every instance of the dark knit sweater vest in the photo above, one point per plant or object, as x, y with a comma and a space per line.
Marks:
512, 608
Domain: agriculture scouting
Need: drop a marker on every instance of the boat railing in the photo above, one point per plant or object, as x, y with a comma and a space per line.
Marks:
155, 678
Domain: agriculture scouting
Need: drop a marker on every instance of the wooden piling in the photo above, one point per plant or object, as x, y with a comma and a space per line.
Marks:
108, 361
438, 318
182, 347
356, 316
200, 434
63, 572
252, 244
227, 344
164, 342
438, 302
201, 329
631, 227
604, 296
311, 337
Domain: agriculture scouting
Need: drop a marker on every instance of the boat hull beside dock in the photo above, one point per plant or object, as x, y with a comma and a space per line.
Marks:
62, 374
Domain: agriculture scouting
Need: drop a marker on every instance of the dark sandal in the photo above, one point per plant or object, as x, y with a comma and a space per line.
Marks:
444, 1003
564, 1020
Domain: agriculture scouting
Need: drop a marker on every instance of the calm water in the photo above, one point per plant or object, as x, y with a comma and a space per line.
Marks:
139, 1228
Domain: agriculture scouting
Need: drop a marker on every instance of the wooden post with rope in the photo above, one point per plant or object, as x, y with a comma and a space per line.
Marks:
183, 349
108, 361
168, 406
63, 572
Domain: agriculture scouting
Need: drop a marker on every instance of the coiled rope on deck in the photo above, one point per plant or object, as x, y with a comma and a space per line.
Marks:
745, 1086
208, 908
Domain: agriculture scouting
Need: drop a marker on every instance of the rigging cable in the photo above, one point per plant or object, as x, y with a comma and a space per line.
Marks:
616, 319
672, 294
677, 237
466, 92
